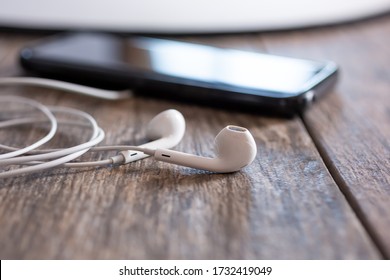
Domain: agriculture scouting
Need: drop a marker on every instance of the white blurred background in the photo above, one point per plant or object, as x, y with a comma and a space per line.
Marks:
183, 16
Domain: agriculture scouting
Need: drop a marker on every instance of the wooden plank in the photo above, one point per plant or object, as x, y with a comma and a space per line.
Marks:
284, 206
351, 125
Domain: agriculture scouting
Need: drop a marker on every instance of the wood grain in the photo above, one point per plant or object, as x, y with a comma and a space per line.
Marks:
351, 126
284, 206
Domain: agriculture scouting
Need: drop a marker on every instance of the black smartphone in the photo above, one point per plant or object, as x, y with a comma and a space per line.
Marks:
181, 70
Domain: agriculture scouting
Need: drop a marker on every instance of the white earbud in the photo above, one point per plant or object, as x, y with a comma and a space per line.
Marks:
235, 149
166, 129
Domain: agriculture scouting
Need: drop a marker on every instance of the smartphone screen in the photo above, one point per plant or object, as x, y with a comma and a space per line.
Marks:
173, 65
232, 68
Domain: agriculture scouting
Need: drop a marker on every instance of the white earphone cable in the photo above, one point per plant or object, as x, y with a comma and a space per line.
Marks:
97, 137
56, 157
69, 87
23, 121
45, 111
40, 159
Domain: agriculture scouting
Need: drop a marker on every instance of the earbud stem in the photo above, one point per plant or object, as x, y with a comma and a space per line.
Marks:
131, 155
193, 161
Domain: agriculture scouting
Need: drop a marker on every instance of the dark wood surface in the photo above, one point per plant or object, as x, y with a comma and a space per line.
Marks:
318, 188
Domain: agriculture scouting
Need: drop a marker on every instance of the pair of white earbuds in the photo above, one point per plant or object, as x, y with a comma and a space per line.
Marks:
234, 145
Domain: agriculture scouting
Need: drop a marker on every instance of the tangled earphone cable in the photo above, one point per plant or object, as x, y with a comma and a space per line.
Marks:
44, 159
235, 146
38, 106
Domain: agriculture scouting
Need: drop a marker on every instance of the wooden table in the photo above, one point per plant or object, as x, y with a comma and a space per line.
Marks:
319, 187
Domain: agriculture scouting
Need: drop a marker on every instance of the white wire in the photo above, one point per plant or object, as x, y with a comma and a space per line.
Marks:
89, 163
122, 148
58, 153
118, 159
56, 157
35, 120
20, 121
65, 160
43, 140
70, 87
52, 163
27, 120
42, 166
